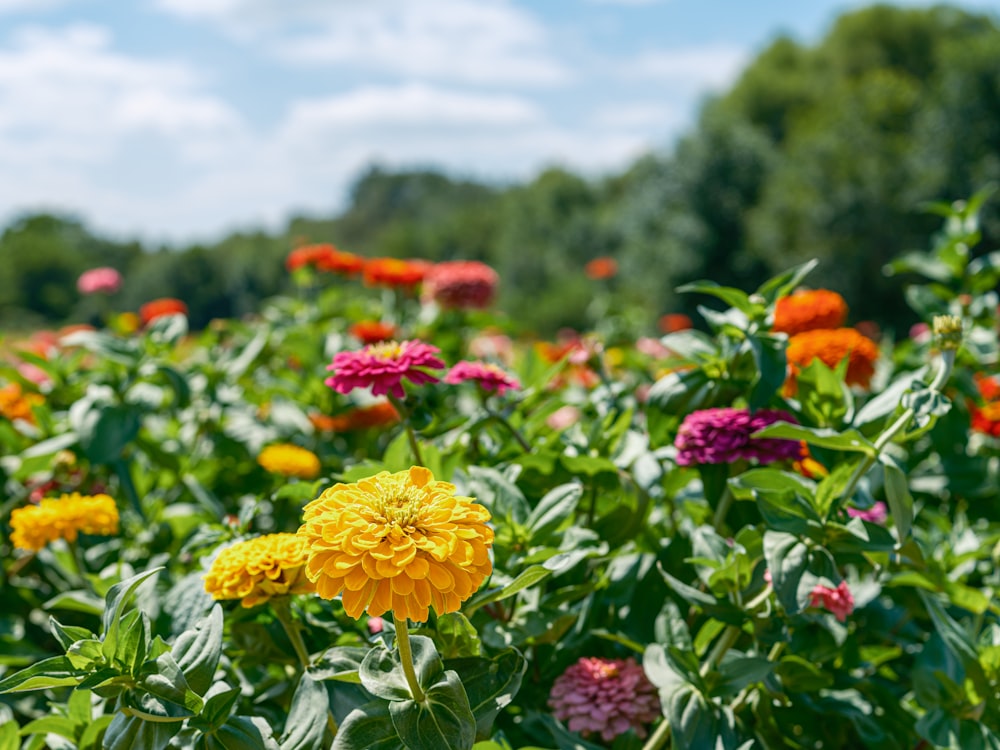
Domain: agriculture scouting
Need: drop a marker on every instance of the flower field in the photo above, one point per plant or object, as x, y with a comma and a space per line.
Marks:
377, 515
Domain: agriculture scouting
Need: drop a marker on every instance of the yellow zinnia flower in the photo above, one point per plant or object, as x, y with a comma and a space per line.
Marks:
34, 526
290, 460
397, 542
257, 569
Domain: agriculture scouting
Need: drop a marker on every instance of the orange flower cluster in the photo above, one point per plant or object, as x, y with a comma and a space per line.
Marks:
16, 404
986, 418
372, 331
831, 347
65, 517
809, 310
379, 414
160, 307
395, 273
577, 353
324, 257
601, 268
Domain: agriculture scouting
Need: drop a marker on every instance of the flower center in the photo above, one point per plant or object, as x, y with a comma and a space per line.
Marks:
385, 350
400, 509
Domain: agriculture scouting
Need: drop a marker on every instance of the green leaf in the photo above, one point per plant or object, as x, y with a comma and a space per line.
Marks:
368, 728
850, 440
217, 709
48, 673
795, 568
897, 492
197, 651
528, 577
131, 647
731, 296
738, 673
695, 724
9, 737
60, 725
553, 510
490, 685
245, 733
772, 369
93, 734
888, 400
382, 674
455, 636
306, 725
105, 429
799, 675
168, 683
67, 635
785, 283
114, 606
443, 720
130, 733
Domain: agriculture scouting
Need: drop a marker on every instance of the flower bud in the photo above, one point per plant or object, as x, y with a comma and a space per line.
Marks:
947, 331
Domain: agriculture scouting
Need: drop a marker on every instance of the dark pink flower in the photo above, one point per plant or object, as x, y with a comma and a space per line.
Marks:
839, 601
383, 366
490, 377
606, 697
102, 280
878, 513
461, 284
719, 436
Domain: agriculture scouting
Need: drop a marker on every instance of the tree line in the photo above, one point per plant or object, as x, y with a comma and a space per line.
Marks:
828, 150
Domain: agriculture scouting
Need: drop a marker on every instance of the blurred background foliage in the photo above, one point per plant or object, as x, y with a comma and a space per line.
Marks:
827, 151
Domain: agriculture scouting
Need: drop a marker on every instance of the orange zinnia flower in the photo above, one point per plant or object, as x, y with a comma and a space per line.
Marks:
986, 418
393, 272
674, 322
15, 404
308, 256
337, 261
809, 310
601, 268
160, 307
831, 347
372, 331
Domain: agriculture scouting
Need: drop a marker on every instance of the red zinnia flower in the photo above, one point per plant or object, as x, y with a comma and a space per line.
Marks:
160, 307
986, 418
673, 322
395, 273
809, 310
461, 284
830, 347
308, 256
372, 331
601, 268
839, 601
337, 261
489, 377
382, 367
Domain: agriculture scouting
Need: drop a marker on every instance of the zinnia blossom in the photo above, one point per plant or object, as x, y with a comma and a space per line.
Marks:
398, 542
985, 418
831, 347
339, 262
102, 280
382, 367
394, 273
35, 526
372, 331
809, 310
257, 569
160, 307
378, 414
308, 256
839, 601
606, 697
488, 376
722, 436
601, 268
674, 322
878, 513
16, 404
290, 461
461, 284
563, 418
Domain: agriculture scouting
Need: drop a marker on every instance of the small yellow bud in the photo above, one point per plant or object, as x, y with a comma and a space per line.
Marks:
948, 331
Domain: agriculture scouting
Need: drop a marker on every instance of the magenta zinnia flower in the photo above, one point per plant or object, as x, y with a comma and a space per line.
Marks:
461, 284
839, 601
722, 436
102, 280
878, 513
490, 377
605, 696
383, 367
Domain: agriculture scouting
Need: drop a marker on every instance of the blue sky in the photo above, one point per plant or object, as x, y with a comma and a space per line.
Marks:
180, 120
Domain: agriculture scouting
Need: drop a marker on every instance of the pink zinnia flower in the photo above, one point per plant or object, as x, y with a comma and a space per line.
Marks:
461, 284
102, 280
878, 513
383, 367
563, 417
605, 696
375, 625
839, 601
721, 436
490, 377
651, 347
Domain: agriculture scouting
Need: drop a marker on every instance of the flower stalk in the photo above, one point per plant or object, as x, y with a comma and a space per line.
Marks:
406, 659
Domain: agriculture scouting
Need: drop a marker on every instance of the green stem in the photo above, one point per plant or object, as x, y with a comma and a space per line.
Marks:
411, 435
726, 641
592, 507
659, 738
76, 558
406, 659
124, 474
283, 610
940, 378
525, 445
722, 509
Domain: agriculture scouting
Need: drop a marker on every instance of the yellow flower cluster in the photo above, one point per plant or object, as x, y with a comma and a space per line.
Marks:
257, 569
35, 526
16, 404
398, 542
290, 461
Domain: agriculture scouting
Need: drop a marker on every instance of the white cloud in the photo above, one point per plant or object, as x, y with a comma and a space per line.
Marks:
695, 67
487, 41
641, 115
